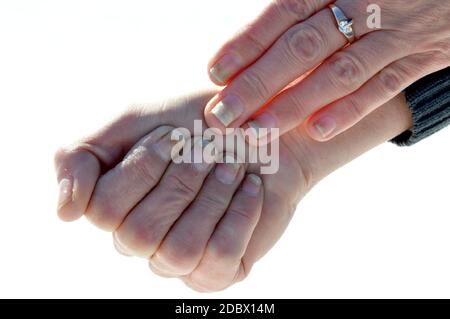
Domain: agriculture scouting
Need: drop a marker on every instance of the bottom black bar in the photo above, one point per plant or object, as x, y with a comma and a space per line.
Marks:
218, 308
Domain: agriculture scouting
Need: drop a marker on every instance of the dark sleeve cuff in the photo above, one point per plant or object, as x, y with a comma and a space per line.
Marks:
429, 101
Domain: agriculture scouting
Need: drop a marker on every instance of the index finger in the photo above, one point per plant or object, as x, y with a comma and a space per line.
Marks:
248, 45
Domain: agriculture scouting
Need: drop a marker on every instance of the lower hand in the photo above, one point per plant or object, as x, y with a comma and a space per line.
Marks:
203, 224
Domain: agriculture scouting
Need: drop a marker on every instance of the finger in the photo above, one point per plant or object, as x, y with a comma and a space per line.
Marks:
340, 75
77, 171
299, 50
222, 260
255, 39
183, 247
343, 114
148, 223
160, 273
78, 166
121, 188
120, 249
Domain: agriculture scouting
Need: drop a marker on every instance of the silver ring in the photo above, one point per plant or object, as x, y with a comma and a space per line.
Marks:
345, 25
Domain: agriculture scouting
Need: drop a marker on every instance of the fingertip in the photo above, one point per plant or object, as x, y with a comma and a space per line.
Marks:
69, 214
224, 68
322, 129
212, 119
252, 185
195, 286
69, 209
159, 272
224, 111
311, 131
120, 248
77, 173
166, 270
214, 76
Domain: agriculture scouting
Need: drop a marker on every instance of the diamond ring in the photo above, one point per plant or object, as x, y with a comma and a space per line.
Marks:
345, 25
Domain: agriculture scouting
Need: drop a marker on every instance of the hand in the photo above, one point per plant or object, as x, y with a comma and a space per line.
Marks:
341, 84
107, 177
206, 225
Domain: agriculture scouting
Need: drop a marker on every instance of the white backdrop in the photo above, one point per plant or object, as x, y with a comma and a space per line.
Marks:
377, 228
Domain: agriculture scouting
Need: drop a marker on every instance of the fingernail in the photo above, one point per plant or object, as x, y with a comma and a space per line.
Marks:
261, 126
202, 160
164, 147
252, 184
324, 126
178, 139
228, 110
65, 192
178, 136
227, 172
228, 65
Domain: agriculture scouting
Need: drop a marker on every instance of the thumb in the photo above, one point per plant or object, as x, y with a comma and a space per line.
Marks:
77, 170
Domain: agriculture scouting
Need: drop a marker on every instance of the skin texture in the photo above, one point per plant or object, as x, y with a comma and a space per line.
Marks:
342, 84
192, 222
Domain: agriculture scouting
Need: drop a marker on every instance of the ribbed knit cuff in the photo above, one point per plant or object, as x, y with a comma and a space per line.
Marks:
429, 101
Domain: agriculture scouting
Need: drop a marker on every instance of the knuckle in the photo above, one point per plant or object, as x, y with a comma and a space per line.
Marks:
253, 41
139, 240
443, 48
75, 152
210, 204
304, 43
299, 109
298, 9
356, 109
253, 81
141, 164
359, 7
180, 187
179, 256
223, 249
243, 215
391, 80
102, 214
346, 72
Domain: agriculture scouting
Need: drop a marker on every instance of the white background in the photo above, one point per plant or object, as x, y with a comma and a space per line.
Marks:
377, 228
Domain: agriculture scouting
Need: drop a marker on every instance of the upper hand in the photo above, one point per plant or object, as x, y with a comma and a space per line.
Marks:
340, 84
